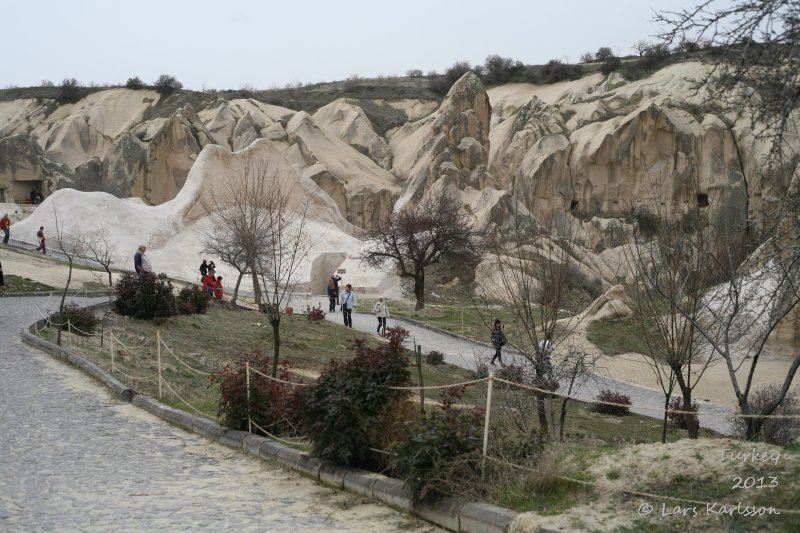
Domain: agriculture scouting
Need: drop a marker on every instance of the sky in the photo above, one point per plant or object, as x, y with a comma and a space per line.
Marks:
264, 44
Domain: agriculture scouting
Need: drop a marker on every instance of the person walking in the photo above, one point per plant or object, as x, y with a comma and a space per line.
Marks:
381, 311
499, 340
348, 301
40, 236
5, 225
141, 263
333, 293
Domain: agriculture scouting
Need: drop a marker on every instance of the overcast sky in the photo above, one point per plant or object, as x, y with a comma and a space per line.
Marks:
231, 43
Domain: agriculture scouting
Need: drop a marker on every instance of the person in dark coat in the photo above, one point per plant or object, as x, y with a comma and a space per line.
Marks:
499, 340
203, 269
333, 294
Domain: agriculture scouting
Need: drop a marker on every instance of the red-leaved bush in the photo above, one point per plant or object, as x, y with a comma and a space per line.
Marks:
613, 397
279, 408
352, 402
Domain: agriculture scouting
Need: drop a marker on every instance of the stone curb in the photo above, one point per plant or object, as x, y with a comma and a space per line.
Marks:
470, 517
125, 392
89, 294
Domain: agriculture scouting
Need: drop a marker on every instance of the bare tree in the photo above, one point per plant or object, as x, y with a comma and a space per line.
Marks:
413, 239
672, 271
258, 225
71, 246
99, 247
533, 273
757, 73
222, 240
641, 46
288, 244
239, 217
757, 70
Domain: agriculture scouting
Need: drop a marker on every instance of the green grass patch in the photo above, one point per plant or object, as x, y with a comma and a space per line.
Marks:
20, 284
615, 337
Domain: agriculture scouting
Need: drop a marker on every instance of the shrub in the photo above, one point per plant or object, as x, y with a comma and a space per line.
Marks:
603, 53
167, 84
434, 357
314, 314
277, 407
481, 370
352, 403
646, 222
500, 69
613, 397
679, 419
555, 71
193, 300
610, 65
81, 320
69, 91
414, 73
443, 450
774, 430
145, 296
134, 83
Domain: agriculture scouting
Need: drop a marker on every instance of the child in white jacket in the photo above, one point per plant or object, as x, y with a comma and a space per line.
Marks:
382, 312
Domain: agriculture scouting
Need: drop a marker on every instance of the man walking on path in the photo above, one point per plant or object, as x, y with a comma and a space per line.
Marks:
348, 301
498, 338
5, 225
40, 235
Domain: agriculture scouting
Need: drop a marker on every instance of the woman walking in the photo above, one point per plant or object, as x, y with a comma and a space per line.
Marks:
381, 311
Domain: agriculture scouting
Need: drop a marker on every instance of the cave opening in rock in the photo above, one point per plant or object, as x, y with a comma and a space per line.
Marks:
702, 200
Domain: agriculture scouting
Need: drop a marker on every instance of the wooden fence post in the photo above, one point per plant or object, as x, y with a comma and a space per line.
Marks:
158, 351
247, 376
486, 422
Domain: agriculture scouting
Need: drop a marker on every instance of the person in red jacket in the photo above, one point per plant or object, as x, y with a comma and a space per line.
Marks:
40, 236
218, 291
5, 225
208, 284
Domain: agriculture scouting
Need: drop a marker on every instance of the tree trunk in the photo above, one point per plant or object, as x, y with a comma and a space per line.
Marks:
236, 289
542, 412
419, 289
66, 287
563, 419
256, 287
664, 422
692, 421
275, 320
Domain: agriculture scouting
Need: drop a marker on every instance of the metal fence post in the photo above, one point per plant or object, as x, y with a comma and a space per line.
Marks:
247, 377
486, 422
158, 351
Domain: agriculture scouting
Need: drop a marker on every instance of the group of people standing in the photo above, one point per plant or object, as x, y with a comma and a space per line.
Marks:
211, 285
347, 300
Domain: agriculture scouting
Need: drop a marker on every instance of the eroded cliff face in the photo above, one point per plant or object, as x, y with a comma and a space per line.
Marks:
596, 147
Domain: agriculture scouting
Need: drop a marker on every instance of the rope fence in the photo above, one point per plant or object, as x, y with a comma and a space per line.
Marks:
115, 345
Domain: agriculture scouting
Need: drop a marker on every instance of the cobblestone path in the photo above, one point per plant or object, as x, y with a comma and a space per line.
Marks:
72, 457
